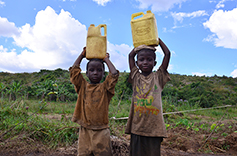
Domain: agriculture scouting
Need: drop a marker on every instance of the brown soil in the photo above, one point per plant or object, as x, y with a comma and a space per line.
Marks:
180, 142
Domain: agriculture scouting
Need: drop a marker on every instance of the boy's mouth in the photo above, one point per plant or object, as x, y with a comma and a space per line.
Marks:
95, 78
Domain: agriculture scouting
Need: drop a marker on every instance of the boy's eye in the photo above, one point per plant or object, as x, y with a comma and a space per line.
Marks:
99, 69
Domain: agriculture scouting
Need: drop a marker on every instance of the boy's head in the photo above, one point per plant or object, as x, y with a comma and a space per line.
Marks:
146, 58
95, 70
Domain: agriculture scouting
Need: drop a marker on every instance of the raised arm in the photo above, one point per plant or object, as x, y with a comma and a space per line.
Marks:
131, 59
110, 65
166, 51
80, 57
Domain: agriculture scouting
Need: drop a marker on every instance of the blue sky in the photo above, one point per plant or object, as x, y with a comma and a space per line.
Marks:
50, 34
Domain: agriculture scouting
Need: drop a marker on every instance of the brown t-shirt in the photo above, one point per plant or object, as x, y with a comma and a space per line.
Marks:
92, 105
146, 114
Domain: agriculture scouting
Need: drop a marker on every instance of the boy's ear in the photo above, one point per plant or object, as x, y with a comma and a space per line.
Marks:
155, 63
136, 62
86, 73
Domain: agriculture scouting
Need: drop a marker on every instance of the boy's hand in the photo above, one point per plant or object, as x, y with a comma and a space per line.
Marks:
83, 53
106, 56
80, 57
110, 65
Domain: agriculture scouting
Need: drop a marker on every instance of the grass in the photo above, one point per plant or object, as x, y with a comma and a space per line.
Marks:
21, 121
120, 111
218, 113
63, 132
52, 107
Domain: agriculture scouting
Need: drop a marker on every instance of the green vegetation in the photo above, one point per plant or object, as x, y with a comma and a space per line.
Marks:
182, 89
27, 100
20, 123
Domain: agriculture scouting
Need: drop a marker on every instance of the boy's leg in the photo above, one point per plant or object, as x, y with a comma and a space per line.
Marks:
101, 142
84, 142
144, 146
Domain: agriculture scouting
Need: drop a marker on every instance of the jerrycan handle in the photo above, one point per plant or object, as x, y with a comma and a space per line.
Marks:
137, 14
105, 28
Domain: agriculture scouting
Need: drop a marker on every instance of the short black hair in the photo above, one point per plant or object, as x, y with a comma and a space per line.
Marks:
98, 60
153, 51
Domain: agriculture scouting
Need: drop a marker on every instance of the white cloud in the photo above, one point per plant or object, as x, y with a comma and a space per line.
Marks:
221, 4
201, 74
2, 49
119, 55
170, 67
7, 29
234, 73
161, 53
54, 33
53, 42
159, 5
223, 26
181, 15
2, 3
101, 2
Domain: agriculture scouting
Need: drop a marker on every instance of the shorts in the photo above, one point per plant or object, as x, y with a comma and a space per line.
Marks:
94, 142
145, 146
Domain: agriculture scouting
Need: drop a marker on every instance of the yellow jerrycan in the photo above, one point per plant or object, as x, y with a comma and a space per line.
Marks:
96, 44
144, 29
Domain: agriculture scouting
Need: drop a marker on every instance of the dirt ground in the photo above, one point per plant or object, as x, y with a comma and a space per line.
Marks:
180, 142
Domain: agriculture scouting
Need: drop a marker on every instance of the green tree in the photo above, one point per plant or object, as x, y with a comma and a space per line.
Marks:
2, 88
14, 90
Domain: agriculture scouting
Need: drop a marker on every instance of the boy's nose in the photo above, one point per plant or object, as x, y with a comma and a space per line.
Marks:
145, 61
95, 72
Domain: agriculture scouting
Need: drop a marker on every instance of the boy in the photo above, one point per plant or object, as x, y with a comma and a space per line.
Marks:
91, 111
146, 123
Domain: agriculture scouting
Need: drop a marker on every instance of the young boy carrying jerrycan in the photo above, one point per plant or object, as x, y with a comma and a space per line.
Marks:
146, 123
91, 111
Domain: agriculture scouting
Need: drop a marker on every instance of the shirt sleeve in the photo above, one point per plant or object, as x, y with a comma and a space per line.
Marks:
111, 81
76, 77
163, 76
132, 74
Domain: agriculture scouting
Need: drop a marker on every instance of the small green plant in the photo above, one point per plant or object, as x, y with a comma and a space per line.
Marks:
167, 126
226, 147
201, 126
183, 122
224, 134
196, 129
213, 126
214, 138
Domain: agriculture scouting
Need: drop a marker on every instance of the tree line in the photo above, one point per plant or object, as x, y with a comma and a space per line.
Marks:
55, 85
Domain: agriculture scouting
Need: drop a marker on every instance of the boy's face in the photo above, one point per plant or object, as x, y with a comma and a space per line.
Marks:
95, 72
146, 61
